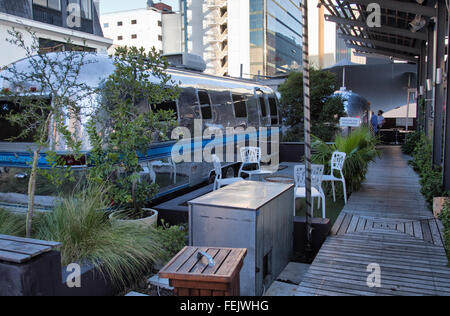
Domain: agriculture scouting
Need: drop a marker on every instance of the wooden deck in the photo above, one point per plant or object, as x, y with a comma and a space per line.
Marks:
387, 223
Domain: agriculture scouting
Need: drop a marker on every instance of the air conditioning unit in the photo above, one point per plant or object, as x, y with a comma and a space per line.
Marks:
186, 61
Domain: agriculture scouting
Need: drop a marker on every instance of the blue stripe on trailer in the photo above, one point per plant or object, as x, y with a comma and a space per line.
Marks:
159, 151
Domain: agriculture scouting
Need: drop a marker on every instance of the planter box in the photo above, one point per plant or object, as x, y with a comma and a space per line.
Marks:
93, 283
322, 229
176, 211
37, 277
28, 267
292, 152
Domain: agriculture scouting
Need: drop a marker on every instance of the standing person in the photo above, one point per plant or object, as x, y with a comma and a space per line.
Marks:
374, 123
381, 120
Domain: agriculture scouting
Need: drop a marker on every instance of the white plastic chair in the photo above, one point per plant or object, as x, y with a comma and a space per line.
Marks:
316, 185
220, 181
252, 156
337, 164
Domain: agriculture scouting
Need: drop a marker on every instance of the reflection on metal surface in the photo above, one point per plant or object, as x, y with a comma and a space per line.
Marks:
355, 105
257, 102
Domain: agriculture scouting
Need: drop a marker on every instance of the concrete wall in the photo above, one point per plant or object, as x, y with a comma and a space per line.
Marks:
196, 27
238, 37
172, 34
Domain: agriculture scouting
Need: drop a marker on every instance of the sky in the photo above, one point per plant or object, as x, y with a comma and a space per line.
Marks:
107, 6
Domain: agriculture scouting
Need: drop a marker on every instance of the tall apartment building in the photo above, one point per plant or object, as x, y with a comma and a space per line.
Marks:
54, 22
140, 27
244, 37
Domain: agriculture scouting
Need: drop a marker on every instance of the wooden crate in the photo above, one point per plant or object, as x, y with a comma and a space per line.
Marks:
193, 276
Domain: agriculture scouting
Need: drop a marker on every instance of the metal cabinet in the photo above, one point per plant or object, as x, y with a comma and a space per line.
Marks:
252, 215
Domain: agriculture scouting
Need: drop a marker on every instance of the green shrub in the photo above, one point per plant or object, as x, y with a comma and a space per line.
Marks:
326, 109
422, 155
12, 224
411, 143
124, 252
431, 176
173, 239
445, 218
431, 182
360, 147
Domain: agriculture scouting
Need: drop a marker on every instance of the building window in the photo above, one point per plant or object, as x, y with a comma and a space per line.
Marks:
160, 38
134, 36
51, 4
106, 25
49, 46
160, 23
133, 22
119, 38
85, 7
119, 23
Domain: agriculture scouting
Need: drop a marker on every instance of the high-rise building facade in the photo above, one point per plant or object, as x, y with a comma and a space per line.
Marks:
275, 36
53, 22
244, 37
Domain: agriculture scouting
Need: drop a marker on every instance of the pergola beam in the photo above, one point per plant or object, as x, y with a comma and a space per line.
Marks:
408, 7
383, 44
447, 131
382, 52
383, 29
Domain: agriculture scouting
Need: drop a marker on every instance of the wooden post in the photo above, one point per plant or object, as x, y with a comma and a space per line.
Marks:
307, 123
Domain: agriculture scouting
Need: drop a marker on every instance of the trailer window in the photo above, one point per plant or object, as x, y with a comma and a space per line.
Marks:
273, 110
205, 105
165, 106
9, 131
240, 106
262, 103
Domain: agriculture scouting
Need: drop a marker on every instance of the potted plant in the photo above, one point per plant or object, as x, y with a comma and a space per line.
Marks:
128, 126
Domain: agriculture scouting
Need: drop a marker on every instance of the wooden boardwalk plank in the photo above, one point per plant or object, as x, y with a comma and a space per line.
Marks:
387, 222
435, 233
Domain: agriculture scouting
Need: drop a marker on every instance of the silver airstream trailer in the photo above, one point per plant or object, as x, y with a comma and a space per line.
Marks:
220, 102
